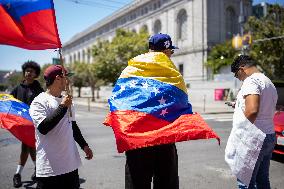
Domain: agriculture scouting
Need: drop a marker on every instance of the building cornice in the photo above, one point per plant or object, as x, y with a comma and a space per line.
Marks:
137, 20
121, 12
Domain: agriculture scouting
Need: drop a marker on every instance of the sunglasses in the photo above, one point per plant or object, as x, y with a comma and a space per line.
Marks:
236, 73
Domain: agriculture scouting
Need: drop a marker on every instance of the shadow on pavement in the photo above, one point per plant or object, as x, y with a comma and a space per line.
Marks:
81, 181
277, 157
29, 184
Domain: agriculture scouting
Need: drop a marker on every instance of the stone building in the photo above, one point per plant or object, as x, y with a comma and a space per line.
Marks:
195, 26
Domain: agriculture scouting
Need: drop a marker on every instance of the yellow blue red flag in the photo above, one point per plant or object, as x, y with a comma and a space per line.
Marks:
149, 106
15, 117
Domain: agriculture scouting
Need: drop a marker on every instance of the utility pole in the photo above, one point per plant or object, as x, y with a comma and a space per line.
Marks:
242, 21
203, 54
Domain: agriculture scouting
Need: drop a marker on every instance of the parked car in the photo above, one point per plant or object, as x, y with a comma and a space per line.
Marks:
279, 118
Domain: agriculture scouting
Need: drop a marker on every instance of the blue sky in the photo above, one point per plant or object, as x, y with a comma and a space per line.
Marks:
71, 19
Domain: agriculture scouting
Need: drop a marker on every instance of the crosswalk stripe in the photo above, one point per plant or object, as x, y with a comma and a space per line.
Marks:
218, 117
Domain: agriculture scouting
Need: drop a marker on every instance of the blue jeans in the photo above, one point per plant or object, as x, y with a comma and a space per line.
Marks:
260, 175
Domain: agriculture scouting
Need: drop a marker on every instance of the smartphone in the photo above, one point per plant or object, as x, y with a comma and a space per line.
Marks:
229, 103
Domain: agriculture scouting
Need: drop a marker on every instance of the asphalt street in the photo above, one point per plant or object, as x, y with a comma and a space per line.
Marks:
201, 163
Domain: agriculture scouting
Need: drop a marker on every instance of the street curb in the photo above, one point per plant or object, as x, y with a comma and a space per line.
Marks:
105, 107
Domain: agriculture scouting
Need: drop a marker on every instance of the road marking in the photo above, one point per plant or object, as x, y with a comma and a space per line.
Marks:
218, 117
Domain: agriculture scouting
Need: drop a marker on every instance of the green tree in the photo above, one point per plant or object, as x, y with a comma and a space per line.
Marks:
269, 54
15, 79
93, 80
40, 78
80, 77
3, 87
111, 58
220, 55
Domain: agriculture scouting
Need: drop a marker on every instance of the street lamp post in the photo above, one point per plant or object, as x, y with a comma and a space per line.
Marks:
241, 22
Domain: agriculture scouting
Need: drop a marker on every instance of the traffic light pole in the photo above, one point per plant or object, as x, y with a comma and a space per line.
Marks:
241, 22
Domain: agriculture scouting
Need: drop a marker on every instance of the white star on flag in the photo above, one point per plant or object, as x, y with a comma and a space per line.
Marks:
19, 112
145, 85
122, 88
162, 101
24, 110
133, 83
113, 96
155, 90
164, 112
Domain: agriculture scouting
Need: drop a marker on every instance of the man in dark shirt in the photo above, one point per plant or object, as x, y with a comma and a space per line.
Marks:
26, 92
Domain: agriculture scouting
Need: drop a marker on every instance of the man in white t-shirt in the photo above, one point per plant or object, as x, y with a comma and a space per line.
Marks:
257, 101
57, 157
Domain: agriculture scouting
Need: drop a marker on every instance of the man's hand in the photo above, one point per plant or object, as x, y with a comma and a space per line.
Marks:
88, 152
67, 101
229, 103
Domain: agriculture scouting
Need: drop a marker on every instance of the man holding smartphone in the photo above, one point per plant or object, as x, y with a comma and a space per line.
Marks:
252, 139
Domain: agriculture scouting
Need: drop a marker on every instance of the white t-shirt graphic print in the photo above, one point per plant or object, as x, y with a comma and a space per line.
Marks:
56, 151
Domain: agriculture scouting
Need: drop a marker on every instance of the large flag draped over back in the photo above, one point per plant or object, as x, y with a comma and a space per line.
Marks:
29, 24
14, 116
149, 106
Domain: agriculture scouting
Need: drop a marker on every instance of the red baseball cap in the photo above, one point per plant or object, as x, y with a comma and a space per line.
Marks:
52, 71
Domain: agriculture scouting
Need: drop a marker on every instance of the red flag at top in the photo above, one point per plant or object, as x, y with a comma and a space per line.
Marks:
29, 24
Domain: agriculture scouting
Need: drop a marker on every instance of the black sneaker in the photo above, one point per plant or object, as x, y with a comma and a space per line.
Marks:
17, 180
33, 177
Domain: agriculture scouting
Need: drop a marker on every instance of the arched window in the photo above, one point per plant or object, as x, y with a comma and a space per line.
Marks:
180, 68
133, 30
231, 23
157, 27
146, 10
74, 57
70, 59
182, 24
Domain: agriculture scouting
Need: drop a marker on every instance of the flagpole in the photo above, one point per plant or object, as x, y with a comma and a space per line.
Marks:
67, 89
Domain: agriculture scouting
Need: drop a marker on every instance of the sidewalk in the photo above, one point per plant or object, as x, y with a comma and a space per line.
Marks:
216, 107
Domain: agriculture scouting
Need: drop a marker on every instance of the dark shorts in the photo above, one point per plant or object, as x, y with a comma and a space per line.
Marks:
65, 181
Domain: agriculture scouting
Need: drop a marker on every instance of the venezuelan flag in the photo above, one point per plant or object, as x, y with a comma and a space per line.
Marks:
149, 106
29, 24
15, 117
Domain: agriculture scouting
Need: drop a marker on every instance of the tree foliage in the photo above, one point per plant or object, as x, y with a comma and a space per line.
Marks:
40, 78
269, 54
93, 80
221, 55
110, 58
15, 79
3, 87
80, 77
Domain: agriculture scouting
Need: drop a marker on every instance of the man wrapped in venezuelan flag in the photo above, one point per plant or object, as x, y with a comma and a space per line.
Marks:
149, 112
